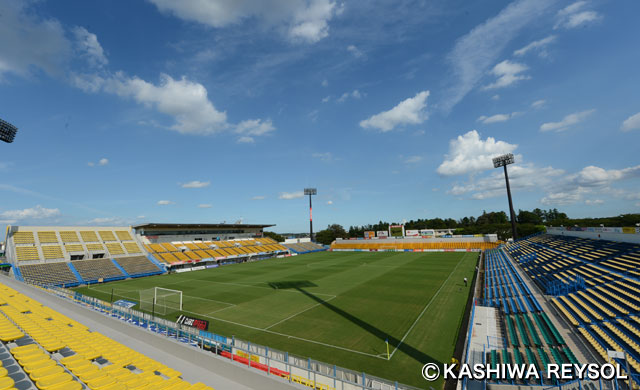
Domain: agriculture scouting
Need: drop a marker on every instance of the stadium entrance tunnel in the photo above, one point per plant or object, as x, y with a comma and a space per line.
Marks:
299, 285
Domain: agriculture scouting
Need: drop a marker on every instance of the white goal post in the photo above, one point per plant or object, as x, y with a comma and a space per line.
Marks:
161, 300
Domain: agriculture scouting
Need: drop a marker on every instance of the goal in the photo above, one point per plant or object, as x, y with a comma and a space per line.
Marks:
161, 300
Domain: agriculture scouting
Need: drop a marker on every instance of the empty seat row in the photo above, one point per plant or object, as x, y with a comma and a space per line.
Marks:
54, 352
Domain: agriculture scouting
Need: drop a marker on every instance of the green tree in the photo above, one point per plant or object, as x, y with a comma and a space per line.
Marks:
274, 236
525, 216
328, 235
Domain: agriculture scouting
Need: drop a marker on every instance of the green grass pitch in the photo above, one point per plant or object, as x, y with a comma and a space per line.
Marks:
336, 307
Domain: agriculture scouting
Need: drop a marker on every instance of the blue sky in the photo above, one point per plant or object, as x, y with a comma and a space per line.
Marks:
210, 111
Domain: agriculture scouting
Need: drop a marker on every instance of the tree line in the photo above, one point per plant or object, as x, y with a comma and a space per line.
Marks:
494, 222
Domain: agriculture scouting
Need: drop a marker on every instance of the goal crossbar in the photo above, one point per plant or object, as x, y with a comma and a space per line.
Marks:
165, 292
161, 300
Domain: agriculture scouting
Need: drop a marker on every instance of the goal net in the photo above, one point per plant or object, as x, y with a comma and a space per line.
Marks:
160, 300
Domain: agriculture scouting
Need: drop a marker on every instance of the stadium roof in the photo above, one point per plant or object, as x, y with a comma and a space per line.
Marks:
198, 225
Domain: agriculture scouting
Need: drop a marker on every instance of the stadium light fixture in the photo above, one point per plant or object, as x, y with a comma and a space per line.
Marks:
503, 161
310, 192
7, 131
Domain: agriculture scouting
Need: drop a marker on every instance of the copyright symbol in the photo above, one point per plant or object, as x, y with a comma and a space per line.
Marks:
430, 372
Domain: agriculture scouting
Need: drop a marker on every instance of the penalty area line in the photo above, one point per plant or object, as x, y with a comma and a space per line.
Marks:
427, 306
289, 336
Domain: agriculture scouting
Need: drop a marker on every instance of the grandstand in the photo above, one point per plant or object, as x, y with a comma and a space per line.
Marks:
47, 350
70, 256
304, 247
36, 244
181, 252
594, 284
417, 244
531, 336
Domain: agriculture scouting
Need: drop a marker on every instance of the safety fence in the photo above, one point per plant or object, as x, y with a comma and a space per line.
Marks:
292, 368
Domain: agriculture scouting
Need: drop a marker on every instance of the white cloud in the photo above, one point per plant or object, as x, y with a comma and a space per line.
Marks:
567, 121
258, 197
291, 195
507, 73
355, 51
538, 103
184, 100
521, 177
476, 51
495, 97
196, 184
35, 213
593, 176
469, 153
326, 99
102, 162
4, 166
575, 15
496, 118
311, 23
355, 94
251, 128
538, 46
562, 198
305, 20
164, 202
29, 42
204, 206
409, 111
413, 159
325, 83
326, 157
594, 202
246, 140
631, 123
593, 181
329, 202
89, 47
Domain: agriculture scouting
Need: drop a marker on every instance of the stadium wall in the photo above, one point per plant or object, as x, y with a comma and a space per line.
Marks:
622, 234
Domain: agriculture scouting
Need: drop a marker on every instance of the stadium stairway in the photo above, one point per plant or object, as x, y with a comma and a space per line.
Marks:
156, 262
76, 273
16, 273
530, 334
119, 267
605, 310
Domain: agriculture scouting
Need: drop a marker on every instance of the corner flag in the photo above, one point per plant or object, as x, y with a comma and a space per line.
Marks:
387, 342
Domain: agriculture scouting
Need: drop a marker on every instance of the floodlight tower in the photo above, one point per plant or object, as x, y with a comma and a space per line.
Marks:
7, 131
503, 161
310, 191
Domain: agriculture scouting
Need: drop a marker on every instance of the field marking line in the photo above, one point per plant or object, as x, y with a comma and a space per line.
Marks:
298, 313
184, 295
289, 336
428, 304
224, 308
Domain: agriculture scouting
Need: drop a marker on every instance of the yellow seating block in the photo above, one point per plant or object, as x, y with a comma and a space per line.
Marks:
73, 385
50, 381
46, 371
6, 383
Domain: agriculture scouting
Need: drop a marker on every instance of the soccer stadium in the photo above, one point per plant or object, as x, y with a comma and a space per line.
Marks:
189, 193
